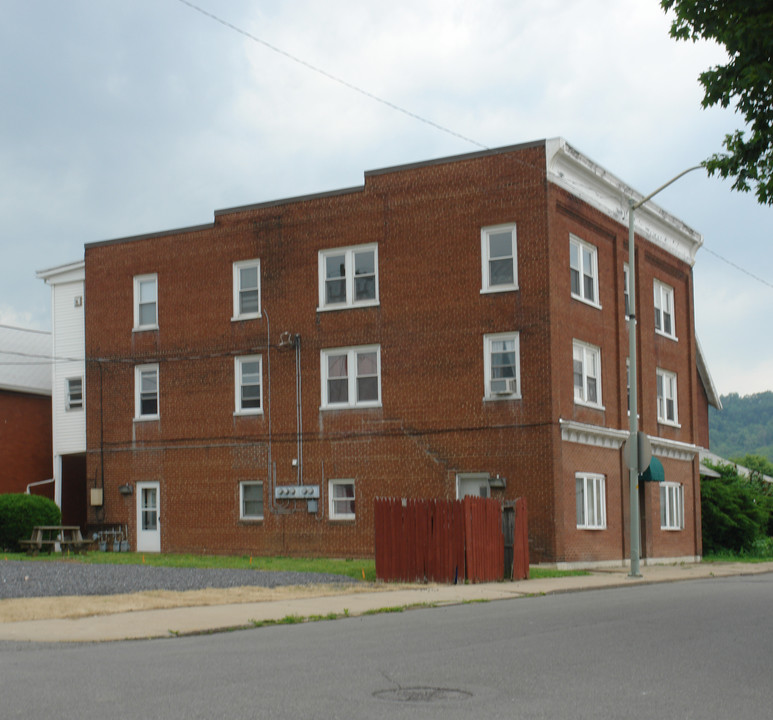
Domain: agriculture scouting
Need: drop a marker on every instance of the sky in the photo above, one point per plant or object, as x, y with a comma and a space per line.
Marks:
122, 118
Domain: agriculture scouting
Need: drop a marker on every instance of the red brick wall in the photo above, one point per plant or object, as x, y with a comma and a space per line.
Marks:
429, 324
25, 441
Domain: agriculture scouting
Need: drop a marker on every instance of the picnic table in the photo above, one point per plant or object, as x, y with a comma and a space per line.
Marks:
46, 537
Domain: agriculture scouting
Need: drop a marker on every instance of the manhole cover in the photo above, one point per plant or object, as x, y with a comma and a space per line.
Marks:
422, 694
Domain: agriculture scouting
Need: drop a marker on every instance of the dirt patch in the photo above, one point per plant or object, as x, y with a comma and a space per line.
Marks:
20, 609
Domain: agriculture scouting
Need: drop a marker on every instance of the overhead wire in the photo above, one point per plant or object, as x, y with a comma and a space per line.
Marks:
330, 76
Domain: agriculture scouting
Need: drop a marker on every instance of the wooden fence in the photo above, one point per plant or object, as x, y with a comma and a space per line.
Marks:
442, 540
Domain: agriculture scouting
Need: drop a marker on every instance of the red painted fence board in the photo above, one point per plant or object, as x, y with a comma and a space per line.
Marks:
443, 540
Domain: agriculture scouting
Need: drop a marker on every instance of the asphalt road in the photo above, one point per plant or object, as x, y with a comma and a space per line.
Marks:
697, 649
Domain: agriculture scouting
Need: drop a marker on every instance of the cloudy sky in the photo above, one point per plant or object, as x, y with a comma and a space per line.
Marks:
120, 118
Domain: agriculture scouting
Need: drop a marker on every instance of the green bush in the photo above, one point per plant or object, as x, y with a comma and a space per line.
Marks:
20, 513
736, 512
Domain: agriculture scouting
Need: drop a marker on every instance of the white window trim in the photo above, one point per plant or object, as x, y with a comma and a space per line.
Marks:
351, 353
598, 483
488, 341
237, 266
349, 253
486, 286
238, 363
667, 489
661, 290
581, 244
137, 280
587, 349
138, 370
68, 404
242, 485
333, 515
663, 376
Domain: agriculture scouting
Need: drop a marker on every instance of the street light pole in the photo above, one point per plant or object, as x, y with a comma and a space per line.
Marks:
633, 409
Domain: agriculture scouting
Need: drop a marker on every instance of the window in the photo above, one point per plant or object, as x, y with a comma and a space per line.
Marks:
348, 277
501, 366
251, 501
351, 377
583, 264
499, 258
145, 302
74, 399
591, 501
587, 374
664, 309
671, 506
341, 499
667, 404
626, 288
146, 392
248, 383
246, 289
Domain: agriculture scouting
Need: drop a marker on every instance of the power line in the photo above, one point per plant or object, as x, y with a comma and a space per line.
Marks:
332, 77
738, 267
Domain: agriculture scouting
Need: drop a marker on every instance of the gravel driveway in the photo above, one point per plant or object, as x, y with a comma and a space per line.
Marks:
55, 579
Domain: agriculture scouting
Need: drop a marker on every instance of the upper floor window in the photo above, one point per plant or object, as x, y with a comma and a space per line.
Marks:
145, 302
587, 374
583, 264
664, 309
348, 277
248, 383
591, 501
341, 499
499, 258
246, 289
501, 366
668, 411
671, 506
146, 392
251, 501
74, 399
351, 377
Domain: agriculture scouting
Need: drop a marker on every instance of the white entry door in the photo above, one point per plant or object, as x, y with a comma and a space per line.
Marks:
148, 520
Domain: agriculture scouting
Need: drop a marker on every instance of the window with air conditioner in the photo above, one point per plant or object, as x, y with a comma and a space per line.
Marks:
501, 363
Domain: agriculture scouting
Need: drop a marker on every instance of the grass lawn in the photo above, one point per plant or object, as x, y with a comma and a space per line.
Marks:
357, 569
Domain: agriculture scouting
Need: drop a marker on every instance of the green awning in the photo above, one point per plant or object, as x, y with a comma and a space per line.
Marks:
655, 472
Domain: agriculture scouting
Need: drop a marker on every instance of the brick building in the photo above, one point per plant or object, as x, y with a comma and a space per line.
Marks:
454, 326
25, 411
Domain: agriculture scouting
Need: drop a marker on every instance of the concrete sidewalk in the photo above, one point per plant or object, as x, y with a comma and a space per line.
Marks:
189, 620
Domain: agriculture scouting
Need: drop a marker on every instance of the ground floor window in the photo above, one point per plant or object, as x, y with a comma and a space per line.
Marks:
591, 501
671, 506
341, 494
251, 500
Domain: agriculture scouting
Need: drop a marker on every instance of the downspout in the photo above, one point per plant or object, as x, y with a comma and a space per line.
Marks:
298, 409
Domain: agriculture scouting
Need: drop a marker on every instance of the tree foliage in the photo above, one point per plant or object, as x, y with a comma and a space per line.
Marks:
735, 511
744, 426
745, 29
19, 513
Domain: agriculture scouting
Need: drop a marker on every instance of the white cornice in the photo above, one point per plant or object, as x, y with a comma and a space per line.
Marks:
673, 449
599, 436
579, 175
573, 431
70, 272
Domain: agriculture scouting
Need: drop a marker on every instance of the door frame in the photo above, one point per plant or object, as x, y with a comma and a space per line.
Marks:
148, 540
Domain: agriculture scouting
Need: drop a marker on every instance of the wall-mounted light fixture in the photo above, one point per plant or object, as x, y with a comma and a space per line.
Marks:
125, 489
497, 482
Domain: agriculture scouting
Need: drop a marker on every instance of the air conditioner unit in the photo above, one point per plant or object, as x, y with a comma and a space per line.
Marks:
509, 387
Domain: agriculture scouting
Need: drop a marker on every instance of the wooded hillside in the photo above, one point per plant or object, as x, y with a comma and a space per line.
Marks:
743, 426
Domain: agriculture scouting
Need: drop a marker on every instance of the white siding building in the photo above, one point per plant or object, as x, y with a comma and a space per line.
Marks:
68, 383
